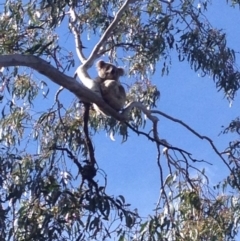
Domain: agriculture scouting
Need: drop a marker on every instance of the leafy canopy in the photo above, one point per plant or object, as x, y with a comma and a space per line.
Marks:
51, 184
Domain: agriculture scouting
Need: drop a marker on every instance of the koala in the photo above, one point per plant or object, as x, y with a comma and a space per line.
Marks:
107, 71
111, 89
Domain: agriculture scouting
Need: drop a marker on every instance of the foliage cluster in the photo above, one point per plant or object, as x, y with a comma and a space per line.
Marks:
51, 185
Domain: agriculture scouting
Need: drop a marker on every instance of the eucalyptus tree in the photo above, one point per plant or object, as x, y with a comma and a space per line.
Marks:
52, 185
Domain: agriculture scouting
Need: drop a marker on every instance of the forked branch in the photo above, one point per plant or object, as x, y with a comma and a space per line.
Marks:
107, 33
46, 69
81, 72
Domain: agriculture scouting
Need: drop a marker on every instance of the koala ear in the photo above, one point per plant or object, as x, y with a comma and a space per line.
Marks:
120, 71
100, 64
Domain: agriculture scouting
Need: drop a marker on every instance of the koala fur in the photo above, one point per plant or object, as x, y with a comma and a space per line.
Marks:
107, 71
111, 89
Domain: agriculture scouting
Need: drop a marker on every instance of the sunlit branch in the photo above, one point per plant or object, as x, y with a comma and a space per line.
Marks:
141, 107
56, 97
81, 71
77, 36
147, 112
46, 69
107, 33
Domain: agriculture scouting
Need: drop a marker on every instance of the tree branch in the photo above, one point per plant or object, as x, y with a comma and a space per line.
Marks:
81, 71
195, 133
46, 69
106, 34
140, 106
76, 33
92, 160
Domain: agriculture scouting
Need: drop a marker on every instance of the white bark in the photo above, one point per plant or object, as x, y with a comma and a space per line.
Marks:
46, 69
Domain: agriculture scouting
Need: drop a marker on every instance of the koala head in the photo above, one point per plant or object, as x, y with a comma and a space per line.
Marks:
107, 71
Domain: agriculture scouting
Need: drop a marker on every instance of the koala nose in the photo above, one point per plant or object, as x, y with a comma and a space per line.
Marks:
113, 71
110, 70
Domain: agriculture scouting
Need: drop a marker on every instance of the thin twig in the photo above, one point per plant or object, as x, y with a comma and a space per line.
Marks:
71, 156
194, 132
158, 141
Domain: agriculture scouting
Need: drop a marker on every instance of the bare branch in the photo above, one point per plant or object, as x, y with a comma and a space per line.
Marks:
195, 133
77, 36
160, 141
140, 106
148, 113
107, 33
92, 160
178, 121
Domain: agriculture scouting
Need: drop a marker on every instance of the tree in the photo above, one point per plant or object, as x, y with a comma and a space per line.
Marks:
42, 197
